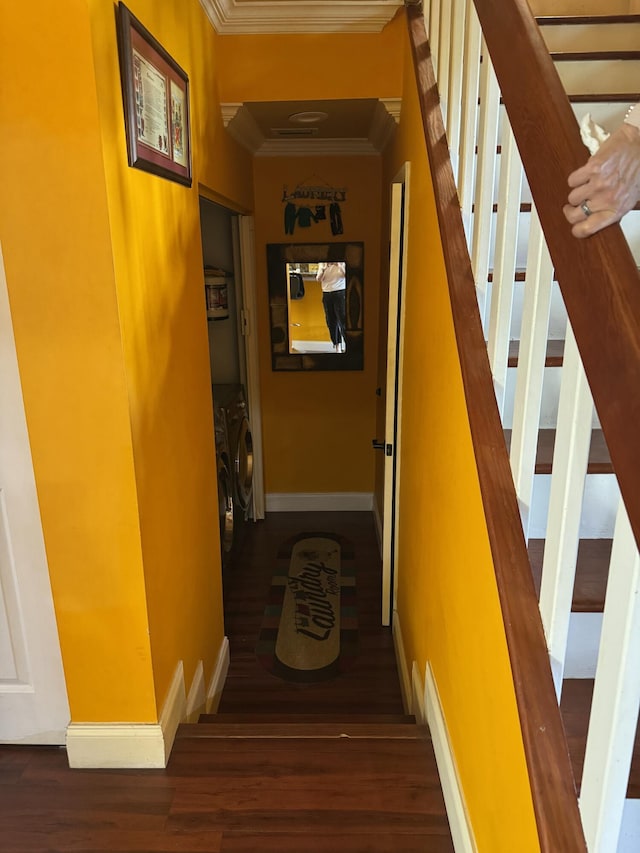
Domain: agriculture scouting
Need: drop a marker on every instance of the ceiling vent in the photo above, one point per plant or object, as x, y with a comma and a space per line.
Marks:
294, 132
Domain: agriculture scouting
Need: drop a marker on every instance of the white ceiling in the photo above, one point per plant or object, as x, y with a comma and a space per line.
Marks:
300, 16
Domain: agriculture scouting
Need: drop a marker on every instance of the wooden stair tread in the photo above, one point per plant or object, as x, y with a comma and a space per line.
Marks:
304, 731
594, 55
350, 786
592, 571
601, 97
575, 707
581, 20
599, 459
343, 719
374, 840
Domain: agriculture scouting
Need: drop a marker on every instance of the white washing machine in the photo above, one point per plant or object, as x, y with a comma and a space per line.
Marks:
232, 400
225, 481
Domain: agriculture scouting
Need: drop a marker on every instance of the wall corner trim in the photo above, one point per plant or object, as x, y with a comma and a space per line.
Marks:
461, 829
129, 746
401, 663
216, 685
196, 698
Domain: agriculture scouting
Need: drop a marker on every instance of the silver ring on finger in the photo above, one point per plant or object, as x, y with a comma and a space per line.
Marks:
586, 209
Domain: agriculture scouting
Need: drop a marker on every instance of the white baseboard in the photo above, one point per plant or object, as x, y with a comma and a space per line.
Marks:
461, 830
117, 745
130, 745
418, 708
401, 663
197, 695
319, 502
216, 685
148, 745
424, 704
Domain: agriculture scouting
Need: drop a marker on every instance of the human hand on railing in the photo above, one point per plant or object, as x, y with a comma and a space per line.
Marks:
607, 186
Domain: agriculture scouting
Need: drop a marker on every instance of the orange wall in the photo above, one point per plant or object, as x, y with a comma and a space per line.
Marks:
104, 269
157, 255
318, 426
311, 66
55, 234
447, 600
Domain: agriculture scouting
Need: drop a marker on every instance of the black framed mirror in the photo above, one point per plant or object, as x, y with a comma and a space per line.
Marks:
316, 305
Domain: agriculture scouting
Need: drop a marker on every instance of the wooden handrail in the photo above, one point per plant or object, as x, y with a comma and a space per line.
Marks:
550, 773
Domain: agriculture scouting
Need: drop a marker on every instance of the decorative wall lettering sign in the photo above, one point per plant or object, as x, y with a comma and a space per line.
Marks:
324, 193
304, 206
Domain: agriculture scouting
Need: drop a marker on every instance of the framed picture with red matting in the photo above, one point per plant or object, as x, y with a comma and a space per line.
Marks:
156, 103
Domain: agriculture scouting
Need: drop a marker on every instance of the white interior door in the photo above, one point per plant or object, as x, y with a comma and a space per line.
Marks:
33, 697
393, 409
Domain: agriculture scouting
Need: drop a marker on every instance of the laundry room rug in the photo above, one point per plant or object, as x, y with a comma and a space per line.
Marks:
309, 628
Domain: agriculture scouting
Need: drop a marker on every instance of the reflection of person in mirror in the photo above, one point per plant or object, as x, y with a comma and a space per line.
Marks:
332, 277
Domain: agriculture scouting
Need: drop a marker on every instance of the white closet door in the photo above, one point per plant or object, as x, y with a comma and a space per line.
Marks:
33, 696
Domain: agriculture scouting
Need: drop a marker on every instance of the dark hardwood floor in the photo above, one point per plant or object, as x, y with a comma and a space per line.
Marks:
370, 687
334, 767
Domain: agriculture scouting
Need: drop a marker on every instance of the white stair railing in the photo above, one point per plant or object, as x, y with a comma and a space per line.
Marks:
496, 245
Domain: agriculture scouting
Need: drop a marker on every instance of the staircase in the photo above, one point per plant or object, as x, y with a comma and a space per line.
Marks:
569, 497
293, 782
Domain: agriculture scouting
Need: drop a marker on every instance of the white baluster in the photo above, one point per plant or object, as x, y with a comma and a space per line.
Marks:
469, 125
485, 178
456, 65
504, 271
570, 458
434, 34
426, 12
444, 58
616, 697
531, 363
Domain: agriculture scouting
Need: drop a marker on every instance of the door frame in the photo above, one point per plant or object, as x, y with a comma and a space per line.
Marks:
249, 328
399, 210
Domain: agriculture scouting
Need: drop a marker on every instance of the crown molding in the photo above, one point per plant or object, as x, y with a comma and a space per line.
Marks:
393, 107
241, 125
300, 16
386, 117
